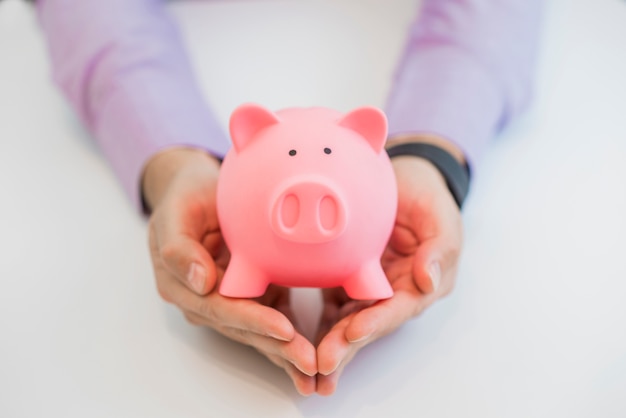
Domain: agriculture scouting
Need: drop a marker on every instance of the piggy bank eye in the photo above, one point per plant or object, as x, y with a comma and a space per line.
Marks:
292, 152
327, 151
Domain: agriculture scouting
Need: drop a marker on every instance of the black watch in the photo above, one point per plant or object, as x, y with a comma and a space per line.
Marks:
457, 175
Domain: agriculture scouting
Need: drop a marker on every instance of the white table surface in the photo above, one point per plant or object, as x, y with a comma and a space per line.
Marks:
536, 326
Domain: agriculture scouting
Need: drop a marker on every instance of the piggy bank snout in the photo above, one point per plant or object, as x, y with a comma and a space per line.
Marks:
309, 211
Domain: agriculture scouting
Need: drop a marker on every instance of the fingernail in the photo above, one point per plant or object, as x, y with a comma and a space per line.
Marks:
196, 277
358, 340
277, 337
333, 370
434, 271
302, 370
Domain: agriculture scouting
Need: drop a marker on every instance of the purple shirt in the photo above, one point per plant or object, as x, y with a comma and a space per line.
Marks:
466, 70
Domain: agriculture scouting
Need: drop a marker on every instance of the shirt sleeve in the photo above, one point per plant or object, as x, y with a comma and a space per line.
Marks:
466, 70
122, 66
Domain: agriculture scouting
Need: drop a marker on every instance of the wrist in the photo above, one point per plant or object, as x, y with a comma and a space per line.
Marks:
442, 155
431, 139
163, 168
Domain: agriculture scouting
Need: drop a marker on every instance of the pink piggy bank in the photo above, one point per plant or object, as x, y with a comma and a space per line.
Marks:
307, 197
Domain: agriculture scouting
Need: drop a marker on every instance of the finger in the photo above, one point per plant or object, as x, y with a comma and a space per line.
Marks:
359, 329
279, 298
333, 354
326, 385
241, 314
220, 312
214, 243
363, 327
298, 353
183, 256
333, 312
440, 236
304, 384
386, 316
334, 348
435, 260
168, 286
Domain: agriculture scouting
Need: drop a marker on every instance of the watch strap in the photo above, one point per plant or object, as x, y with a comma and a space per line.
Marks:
456, 175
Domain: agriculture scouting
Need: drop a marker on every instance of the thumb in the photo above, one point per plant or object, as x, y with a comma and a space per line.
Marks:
190, 262
183, 257
428, 265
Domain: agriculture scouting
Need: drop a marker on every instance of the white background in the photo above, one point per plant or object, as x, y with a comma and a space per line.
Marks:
536, 326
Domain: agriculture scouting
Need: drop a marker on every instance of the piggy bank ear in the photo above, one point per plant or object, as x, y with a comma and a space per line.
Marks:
246, 121
370, 123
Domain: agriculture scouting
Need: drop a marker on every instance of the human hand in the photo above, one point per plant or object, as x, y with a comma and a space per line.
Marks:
420, 262
189, 258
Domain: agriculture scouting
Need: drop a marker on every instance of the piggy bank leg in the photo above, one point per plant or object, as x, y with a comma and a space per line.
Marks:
243, 280
369, 283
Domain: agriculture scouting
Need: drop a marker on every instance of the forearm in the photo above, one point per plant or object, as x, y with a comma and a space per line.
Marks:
122, 66
465, 72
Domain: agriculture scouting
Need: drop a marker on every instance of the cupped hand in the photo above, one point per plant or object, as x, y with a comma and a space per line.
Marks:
420, 262
189, 258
